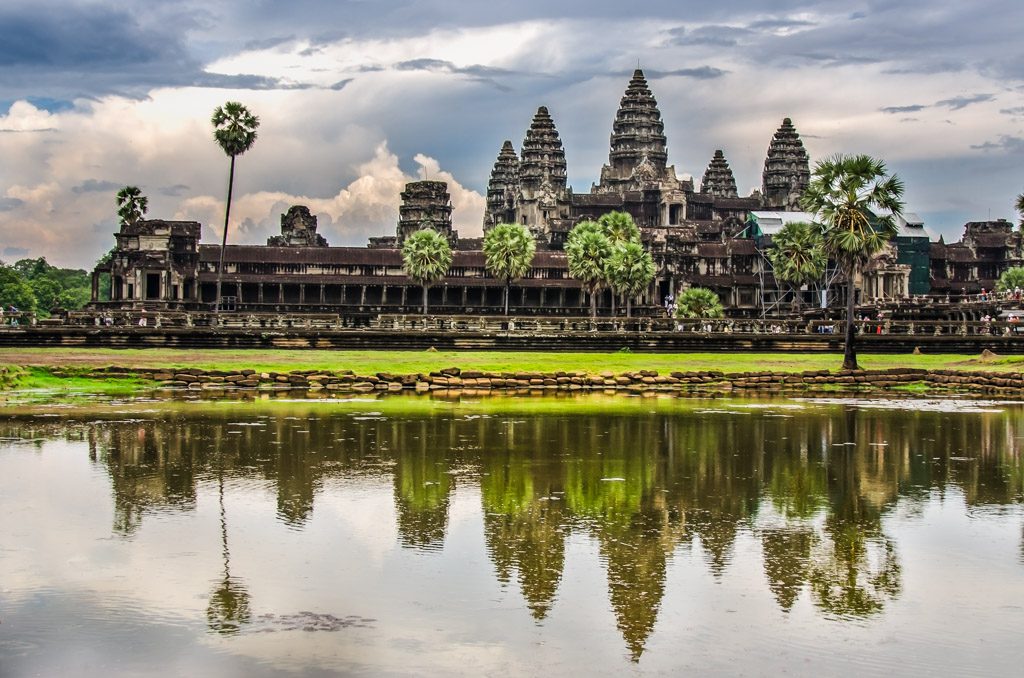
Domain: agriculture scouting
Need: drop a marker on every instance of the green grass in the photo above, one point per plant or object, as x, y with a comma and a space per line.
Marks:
405, 362
13, 377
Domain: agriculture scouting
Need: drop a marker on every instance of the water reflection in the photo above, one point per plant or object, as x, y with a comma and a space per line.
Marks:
813, 488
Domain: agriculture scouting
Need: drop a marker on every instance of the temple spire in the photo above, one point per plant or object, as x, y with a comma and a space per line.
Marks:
542, 164
638, 152
502, 187
718, 179
787, 169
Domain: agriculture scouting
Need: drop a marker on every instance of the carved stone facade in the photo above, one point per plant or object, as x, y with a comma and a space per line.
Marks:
708, 237
425, 204
787, 171
298, 229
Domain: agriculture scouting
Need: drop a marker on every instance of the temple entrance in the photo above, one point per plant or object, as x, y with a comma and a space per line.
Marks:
152, 286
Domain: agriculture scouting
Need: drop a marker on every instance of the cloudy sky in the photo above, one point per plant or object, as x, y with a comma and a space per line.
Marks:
356, 97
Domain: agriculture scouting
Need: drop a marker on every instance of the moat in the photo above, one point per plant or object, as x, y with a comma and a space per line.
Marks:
595, 535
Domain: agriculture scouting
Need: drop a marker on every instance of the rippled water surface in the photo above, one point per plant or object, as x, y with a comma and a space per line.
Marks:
592, 536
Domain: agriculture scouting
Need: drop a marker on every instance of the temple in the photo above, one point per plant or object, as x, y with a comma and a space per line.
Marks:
710, 237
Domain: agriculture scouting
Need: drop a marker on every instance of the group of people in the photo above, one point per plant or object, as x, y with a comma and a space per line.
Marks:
13, 312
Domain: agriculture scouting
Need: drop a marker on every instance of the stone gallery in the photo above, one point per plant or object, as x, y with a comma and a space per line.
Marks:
709, 237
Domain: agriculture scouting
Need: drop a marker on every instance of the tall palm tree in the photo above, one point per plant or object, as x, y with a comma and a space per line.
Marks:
234, 129
1020, 208
426, 256
857, 202
587, 250
620, 229
699, 302
630, 271
798, 256
508, 250
131, 205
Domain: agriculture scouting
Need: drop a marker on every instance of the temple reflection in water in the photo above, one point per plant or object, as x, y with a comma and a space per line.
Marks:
813, 489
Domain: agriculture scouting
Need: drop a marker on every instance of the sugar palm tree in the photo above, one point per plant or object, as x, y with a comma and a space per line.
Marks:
1020, 208
509, 250
857, 203
699, 302
798, 256
131, 205
630, 271
619, 228
426, 256
587, 250
234, 129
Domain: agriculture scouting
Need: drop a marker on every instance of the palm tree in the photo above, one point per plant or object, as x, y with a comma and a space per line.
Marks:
699, 302
630, 271
857, 202
131, 205
509, 250
619, 228
1011, 279
234, 129
798, 256
587, 250
426, 256
1020, 208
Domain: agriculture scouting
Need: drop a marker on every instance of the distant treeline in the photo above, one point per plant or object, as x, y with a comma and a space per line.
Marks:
34, 285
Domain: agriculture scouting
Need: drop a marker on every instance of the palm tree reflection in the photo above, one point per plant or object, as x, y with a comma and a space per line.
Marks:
228, 608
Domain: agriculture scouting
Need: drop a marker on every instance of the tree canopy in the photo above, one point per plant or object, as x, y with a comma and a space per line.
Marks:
630, 270
1011, 279
798, 255
699, 302
587, 251
856, 201
426, 257
36, 285
508, 251
131, 205
619, 228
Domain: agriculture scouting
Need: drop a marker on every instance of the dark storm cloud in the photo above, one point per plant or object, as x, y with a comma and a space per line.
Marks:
1005, 143
96, 186
698, 73
957, 103
174, 191
953, 103
912, 108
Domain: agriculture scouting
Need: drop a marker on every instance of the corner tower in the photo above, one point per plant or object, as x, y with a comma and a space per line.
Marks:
787, 170
718, 179
502, 188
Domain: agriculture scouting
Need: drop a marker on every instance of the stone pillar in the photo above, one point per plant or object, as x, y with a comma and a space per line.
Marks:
280, 293
383, 295
323, 294
259, 292
362, 295
302, 294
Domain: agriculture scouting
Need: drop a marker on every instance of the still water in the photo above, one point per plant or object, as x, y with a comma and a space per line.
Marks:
593, 536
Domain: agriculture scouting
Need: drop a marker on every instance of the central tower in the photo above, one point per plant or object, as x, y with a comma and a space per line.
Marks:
639, 152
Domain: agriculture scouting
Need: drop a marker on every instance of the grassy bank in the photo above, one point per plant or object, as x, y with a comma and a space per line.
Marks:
409, 362
37, 377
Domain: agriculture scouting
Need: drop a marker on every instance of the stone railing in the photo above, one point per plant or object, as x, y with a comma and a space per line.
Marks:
515, 325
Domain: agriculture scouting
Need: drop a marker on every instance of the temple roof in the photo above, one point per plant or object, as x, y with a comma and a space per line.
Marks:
543, 158
638, 131
786, 168
718, 179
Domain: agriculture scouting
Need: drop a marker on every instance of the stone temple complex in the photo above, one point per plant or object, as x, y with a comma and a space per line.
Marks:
709, 236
